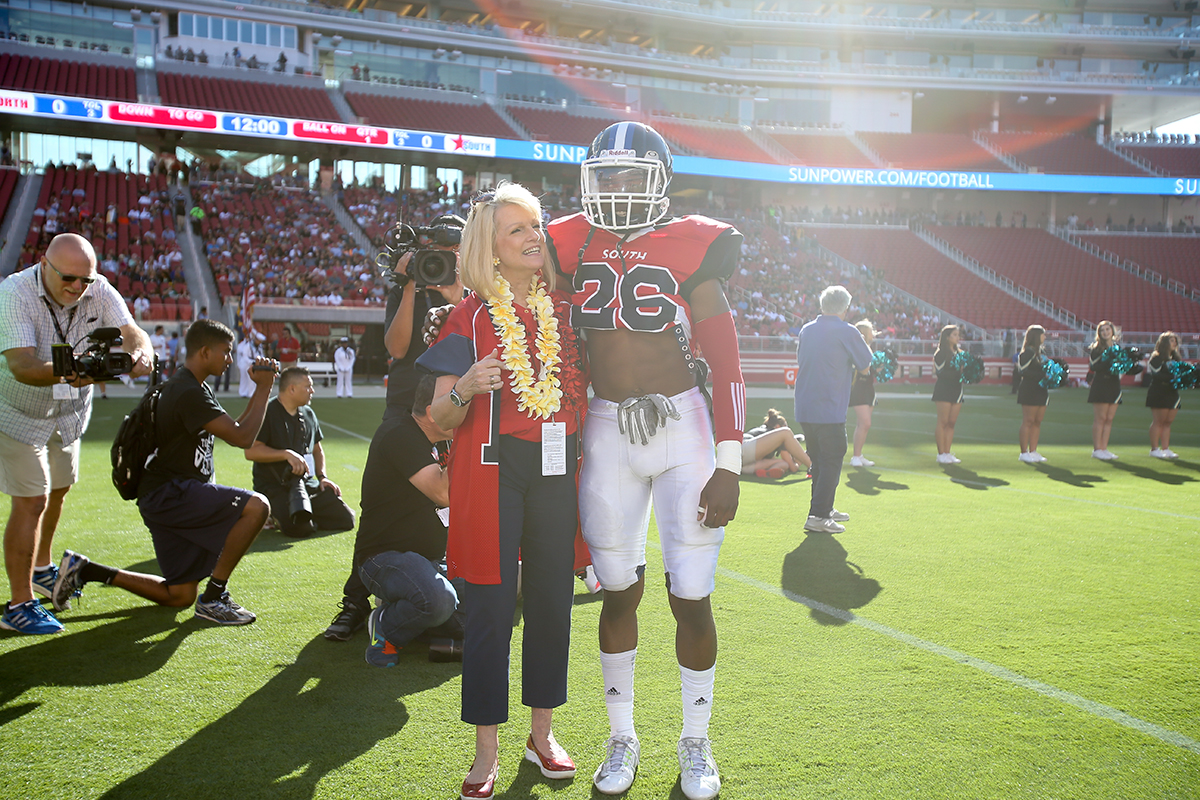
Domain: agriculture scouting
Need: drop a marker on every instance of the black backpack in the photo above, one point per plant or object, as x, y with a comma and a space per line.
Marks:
136, 441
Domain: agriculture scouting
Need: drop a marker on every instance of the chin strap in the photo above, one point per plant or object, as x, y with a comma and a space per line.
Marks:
717, 338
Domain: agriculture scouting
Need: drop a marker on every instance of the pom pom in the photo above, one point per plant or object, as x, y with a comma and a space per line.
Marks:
1055, 373
968, 365
883, 365
1183, 375
1121, 360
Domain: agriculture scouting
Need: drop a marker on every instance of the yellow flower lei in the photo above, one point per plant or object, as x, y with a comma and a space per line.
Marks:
543, 398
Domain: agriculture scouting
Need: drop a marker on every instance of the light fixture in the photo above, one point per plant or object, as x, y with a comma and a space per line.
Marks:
441, 51
135, 14
1022, 99
1051, 100
455, 55
337, 39
316, 36
156, 17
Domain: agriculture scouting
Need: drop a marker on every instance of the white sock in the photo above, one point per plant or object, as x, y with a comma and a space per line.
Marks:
617, 669
697, 701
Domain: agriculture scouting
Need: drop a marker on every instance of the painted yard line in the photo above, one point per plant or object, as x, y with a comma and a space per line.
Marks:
345, 431
1045, 689
1040, 494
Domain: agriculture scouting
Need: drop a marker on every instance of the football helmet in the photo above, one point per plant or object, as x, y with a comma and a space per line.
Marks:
624, 179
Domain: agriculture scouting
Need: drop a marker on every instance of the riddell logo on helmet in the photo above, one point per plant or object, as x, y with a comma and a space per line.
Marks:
617, 153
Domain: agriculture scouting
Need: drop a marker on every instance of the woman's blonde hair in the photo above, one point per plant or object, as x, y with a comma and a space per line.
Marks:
1116, 333
476, 255
866, 329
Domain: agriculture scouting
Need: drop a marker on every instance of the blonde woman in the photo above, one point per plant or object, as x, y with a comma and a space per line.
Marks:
1032, 396
504, 357
947, 393
862, 400
1105, 391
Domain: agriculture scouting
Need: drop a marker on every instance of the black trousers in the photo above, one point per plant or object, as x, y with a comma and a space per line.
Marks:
330, 513
826, 445
537, 518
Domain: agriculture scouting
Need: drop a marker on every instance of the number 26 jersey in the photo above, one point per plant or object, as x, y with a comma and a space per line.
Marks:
643, 283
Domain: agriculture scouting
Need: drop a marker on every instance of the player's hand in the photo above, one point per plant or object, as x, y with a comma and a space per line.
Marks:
482, 377
435, 318
719, 499
296, 462
328, 484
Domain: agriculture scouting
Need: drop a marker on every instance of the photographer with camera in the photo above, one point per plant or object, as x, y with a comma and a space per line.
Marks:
289, 463
400, 547
43, 414
198, 527
422, 265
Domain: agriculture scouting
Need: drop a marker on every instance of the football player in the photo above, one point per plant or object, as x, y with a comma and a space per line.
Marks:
647, 294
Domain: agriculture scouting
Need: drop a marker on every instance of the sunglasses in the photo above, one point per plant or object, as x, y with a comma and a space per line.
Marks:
69, 279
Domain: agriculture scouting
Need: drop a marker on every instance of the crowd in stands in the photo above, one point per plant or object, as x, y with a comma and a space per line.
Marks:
285, 240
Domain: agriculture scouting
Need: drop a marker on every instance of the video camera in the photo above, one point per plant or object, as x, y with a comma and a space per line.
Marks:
428, 267
98, 362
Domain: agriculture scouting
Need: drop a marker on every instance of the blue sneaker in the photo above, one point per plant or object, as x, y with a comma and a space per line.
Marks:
43, 581
29, 617
380, 652
69, 582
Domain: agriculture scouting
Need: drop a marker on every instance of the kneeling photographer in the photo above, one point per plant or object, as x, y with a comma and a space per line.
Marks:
289, 463
61, 301
422, 266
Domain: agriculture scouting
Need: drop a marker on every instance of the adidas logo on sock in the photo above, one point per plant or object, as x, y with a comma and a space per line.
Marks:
700, 701
612, 692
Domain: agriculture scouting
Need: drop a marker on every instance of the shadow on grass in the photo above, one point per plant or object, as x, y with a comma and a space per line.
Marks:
1169, 478
970, 479
274, 541
1068, 477
311, 718
817, 574
865, 482
129, 648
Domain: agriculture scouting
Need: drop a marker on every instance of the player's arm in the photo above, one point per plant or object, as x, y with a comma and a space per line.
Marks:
433, 482
717, 337
243, 431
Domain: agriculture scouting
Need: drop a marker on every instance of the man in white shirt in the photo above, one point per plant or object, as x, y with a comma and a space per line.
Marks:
343, 363
247, 351
158, 341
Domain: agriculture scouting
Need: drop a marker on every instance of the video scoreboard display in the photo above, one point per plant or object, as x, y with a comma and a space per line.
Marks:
386, 138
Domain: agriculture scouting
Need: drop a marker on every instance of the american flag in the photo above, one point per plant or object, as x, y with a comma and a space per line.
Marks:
249, 298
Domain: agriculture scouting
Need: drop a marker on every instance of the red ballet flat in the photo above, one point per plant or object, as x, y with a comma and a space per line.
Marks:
552, 768
484, 790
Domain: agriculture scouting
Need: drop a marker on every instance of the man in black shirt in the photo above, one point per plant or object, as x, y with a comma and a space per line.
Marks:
401, 540
199, 527
289, 462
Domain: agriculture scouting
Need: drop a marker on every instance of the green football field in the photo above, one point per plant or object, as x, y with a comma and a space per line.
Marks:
989, 630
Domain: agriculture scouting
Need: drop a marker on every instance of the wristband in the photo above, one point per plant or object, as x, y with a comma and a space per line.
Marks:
729, 456
320, 476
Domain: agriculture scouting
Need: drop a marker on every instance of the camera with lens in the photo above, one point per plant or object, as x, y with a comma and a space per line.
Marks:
300, 505
98, 362
428, 266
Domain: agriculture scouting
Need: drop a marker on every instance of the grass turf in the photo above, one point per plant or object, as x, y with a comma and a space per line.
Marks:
993, 629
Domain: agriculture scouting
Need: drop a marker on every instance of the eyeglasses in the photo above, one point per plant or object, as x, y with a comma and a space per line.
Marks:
483, 198
69, 279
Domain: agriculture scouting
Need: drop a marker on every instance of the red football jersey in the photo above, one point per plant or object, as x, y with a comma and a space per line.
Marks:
640, 283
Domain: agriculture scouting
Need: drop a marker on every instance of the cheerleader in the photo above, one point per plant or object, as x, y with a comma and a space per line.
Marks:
771, 450
862, 399
1105, 392
947, 393
1161, 398
1032, 396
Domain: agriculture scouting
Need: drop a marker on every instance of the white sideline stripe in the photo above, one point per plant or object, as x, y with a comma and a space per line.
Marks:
343, 430
1011, 488
1082, 703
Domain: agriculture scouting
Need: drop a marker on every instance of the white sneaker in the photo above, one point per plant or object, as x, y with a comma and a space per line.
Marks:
944, 458
823, 525
1026, 457
1169, 453
1100, 454
839, 516
861, 461
1038, 457
952, 459
698, 776
1111, 455
615, 774
1157, 453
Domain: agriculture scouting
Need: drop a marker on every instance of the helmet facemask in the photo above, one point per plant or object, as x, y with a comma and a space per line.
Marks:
624, 192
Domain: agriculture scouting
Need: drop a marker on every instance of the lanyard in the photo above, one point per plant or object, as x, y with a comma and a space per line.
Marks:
62, 337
